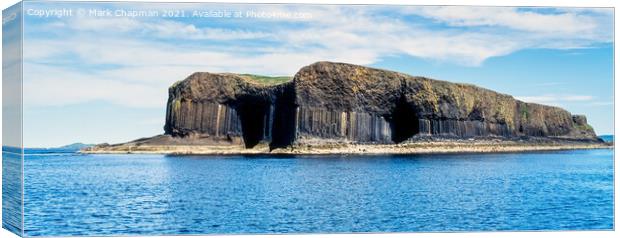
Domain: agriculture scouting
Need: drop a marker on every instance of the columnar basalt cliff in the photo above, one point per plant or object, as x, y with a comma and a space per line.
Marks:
230, 108
355, 104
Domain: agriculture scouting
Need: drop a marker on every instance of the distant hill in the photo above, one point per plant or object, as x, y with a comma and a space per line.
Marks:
74, 146
71, 148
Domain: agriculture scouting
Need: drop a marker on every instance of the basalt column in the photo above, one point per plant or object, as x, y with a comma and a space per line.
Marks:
345, 102
186, 117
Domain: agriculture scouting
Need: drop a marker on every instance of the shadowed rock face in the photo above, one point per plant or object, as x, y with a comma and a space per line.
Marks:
347, 102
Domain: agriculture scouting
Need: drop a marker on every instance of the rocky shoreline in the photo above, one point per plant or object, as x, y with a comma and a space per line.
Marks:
417, 147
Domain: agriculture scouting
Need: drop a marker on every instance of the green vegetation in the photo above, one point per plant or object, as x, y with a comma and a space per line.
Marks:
585, 127
267, 80
175, 84
176, 106
524, 112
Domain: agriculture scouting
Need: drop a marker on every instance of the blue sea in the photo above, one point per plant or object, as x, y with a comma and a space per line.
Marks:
72, 194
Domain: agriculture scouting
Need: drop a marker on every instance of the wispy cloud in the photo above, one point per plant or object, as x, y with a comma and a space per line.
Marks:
131, 61
557, 28
563, 22
602, 103
556, 99
159, 29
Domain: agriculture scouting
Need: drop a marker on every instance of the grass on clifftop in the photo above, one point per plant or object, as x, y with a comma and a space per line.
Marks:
585, 127
267, 80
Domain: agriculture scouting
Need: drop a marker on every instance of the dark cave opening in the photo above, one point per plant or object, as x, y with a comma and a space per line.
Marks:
404, 122
285, 112
268, 118
253, 114
283, 133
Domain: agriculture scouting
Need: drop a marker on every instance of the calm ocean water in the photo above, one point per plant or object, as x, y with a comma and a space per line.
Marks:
72, 194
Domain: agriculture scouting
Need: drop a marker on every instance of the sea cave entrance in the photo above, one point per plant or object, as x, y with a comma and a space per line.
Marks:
253, 115
404, 122
283, 132
268, 119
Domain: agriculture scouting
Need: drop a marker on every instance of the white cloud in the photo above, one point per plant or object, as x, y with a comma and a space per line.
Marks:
561, 28
556, 23
556, 99
142, 65
161, 29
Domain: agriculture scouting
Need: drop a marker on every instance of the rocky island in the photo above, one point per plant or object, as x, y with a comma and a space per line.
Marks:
343, 108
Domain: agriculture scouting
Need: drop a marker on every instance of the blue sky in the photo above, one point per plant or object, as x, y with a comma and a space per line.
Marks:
105, 79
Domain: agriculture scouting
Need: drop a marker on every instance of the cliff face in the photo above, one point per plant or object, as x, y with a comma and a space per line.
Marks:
227, 107
347, 102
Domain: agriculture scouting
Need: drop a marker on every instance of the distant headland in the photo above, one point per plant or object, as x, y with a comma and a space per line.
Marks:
344, 108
